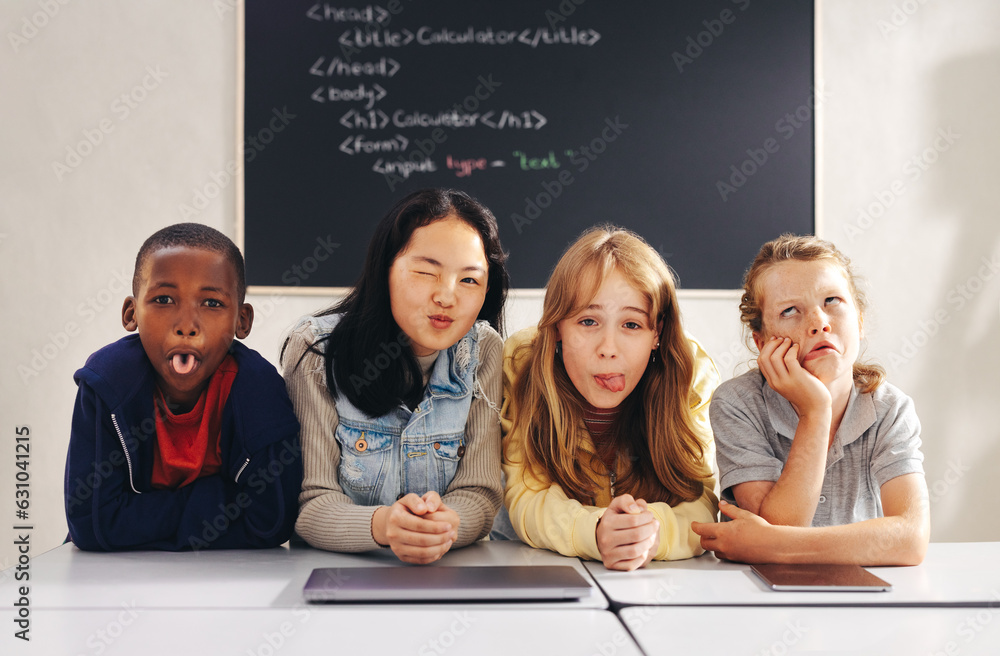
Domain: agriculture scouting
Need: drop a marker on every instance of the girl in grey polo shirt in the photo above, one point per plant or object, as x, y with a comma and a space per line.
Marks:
819, 457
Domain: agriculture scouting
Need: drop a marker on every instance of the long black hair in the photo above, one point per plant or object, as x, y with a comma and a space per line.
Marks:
367, 355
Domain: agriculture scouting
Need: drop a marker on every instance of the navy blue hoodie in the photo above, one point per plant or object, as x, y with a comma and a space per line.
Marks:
110, 505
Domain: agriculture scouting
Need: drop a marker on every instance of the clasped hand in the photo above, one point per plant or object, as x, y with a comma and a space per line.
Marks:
418, 529
628, 535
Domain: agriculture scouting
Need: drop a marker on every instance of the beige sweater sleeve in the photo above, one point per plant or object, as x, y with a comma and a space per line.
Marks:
328, 518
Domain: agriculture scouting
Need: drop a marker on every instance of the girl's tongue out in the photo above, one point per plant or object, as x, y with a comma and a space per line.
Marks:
611, 382
184, 363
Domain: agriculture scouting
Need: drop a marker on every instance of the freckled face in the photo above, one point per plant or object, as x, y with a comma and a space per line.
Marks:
187, 312
811, 303
606, 346
437, 284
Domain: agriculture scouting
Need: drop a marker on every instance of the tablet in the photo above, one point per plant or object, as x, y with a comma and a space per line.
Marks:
445, 583
837, 578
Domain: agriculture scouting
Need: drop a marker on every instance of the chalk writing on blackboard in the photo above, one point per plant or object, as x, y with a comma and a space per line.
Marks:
556, 115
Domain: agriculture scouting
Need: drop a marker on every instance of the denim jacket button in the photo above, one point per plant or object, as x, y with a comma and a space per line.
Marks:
437, 445
461, 450
361, 445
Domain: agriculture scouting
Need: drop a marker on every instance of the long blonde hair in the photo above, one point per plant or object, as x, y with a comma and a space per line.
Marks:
655, 429
805, 248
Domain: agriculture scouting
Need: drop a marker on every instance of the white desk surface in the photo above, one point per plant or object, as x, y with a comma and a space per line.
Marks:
67, 577
952, 574
813, 630
374, 631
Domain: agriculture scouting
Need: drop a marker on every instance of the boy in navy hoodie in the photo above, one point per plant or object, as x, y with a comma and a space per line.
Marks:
182, 437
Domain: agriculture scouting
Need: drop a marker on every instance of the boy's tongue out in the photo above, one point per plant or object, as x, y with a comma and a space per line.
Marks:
184, 363
611, 382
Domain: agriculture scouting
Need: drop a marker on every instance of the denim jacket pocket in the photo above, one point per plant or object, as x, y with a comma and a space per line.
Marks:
364, 460
449, 450
431, 465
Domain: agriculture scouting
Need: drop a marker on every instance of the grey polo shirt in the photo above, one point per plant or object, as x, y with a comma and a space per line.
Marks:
878, 440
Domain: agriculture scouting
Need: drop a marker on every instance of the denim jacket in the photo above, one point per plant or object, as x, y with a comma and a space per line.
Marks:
386, 457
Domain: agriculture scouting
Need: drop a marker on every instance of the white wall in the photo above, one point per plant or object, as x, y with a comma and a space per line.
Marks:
67, 240
896, 82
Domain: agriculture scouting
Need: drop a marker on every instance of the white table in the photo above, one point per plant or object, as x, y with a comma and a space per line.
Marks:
250, 602
884, 631
67, 577
952, 574
371, 631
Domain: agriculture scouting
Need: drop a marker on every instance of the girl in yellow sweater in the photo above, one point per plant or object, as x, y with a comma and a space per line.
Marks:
607, 444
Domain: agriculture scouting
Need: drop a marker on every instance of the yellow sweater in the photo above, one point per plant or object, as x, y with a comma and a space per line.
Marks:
543, 516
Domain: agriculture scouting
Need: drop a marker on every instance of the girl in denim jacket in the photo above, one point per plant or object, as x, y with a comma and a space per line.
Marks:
397, 387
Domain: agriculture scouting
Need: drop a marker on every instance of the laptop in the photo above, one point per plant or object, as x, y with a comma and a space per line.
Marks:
446, 583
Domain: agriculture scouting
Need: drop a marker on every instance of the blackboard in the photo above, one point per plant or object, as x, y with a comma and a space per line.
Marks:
689, 121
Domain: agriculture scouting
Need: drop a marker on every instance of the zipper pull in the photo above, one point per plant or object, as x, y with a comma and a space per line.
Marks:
237, 479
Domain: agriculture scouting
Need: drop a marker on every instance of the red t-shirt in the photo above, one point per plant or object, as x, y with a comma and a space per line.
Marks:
187, 445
